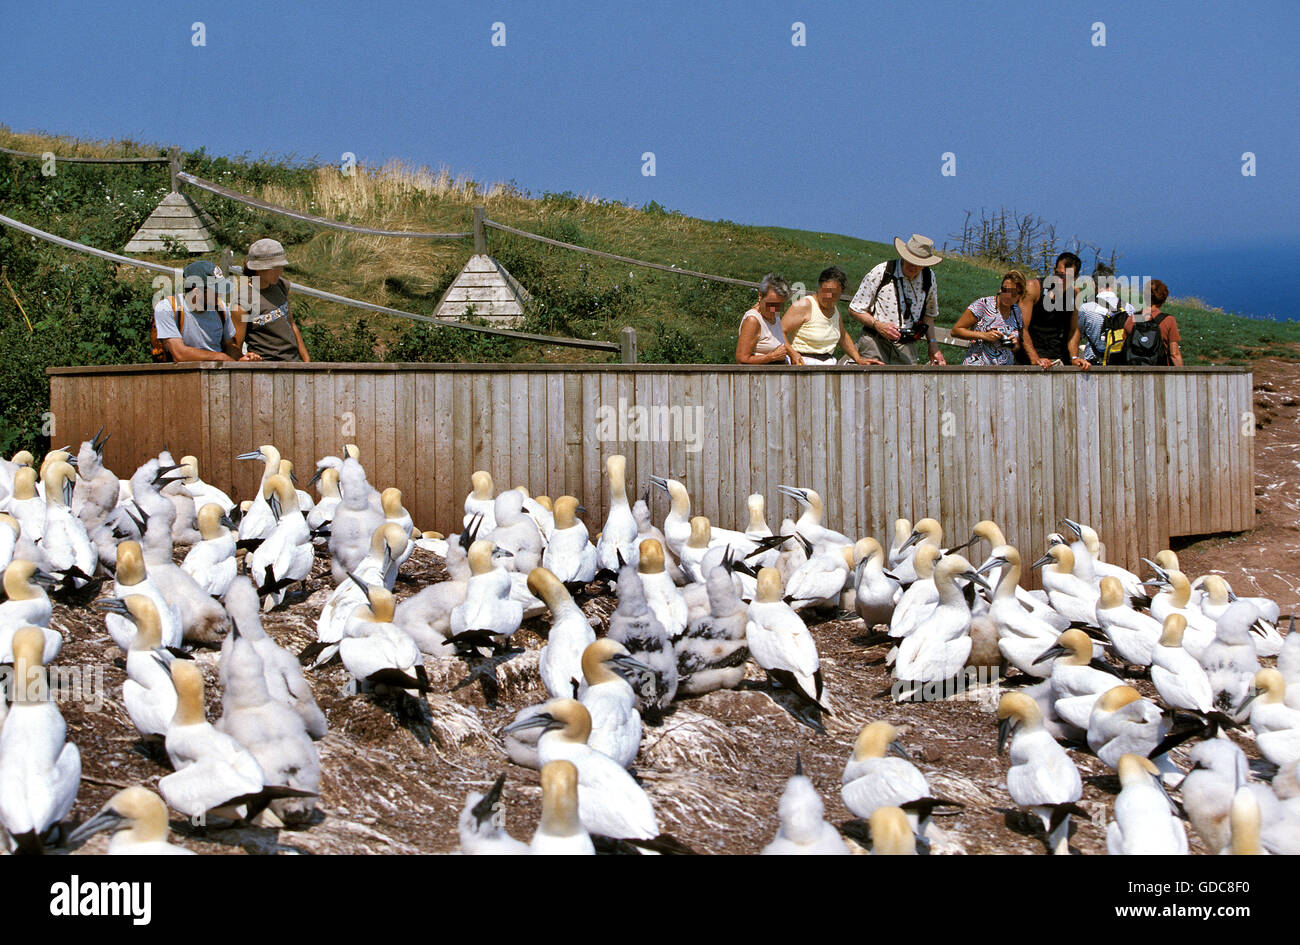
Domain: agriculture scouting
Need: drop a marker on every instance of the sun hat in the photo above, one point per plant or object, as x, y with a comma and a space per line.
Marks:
919, 250
202, 273
266, 254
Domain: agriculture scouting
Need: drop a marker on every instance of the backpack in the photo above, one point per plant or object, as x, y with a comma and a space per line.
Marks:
1146, 346
891, 275
1113, 338
157, 349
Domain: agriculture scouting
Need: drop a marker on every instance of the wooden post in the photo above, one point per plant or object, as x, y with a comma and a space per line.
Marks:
627, 345
174, 156
228, 261
480, 237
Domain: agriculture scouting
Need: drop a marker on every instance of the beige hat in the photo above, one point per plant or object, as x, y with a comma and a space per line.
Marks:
919, 250
266, 254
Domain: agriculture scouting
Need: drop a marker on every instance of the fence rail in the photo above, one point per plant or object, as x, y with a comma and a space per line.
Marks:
85, 160
1141, 454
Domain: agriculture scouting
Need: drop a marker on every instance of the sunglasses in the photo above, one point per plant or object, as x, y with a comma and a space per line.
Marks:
1011, 290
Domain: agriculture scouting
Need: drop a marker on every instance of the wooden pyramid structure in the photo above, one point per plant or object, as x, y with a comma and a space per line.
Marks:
176, 217
485, 285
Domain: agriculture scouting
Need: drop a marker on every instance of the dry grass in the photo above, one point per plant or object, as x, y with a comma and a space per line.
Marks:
38, 142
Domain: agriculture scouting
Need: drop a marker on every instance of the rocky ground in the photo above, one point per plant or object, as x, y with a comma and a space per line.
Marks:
714, 767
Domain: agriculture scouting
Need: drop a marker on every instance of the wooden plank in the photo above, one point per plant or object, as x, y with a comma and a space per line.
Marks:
775, 406
463, 426
421, 402
873, 414
283, 419
850, 471
701, 428
591, 467
889, 467
1125, 542
405, 425
449, 509
244, 475
382, 413
723, 443
536, 455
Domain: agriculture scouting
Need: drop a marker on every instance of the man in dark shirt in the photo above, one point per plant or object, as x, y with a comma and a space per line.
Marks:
262, 318
1051, 332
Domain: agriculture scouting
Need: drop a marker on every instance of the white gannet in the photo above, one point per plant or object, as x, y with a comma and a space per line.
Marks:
560, 662
390, 501
27, 605
305, 501
258, 520
821, 580
355, 519
939, 649
64, 543
540, 510
1288, 664
1034, 601
569, 555
1041, 777
321, 516
138, 818
1244, 821
40, 770
281, 671
488, 605
133, 578
185, 529
1022, 634
758, 529
1276, 724
780, 642
610, 802
200, 491
1077, 680
891, 835
560, 831
810, 524
1230, 661
611, 701
1088, 560
918, 601
635, 626
1133, 635
901, 550
1217, 600
285, 555
376, 652
1070, 596
803, 828
378, 567
148, 693
618, 536
480, 503
646, 528
663, 596
693, 550
677, 524
712, 652
792, 554
482, 824
879, 774
26, 505
1145, 821
211, 560
1176, 599
9, 532
517, 533
874, 592
1122, 722
1180, 679
97, 489
1218, 767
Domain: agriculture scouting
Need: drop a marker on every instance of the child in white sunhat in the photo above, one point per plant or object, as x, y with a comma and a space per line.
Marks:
262, 318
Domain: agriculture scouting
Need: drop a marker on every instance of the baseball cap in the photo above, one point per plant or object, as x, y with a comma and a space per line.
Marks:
201, 272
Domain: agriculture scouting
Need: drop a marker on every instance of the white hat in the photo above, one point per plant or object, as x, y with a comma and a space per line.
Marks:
919, 250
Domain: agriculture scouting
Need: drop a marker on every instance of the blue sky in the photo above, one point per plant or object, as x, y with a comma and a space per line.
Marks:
1138, 143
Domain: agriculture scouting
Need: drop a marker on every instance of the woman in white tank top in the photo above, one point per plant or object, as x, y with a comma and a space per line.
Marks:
761, 339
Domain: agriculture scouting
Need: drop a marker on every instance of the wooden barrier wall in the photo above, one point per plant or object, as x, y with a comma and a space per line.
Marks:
1141, 454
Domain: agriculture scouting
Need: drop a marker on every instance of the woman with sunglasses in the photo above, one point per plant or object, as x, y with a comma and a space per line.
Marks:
993, 324
761, 340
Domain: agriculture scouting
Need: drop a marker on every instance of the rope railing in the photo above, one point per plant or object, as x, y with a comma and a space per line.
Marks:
229, 194
84, 160
306, 290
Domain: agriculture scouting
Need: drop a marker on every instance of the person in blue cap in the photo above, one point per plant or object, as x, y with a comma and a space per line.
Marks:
195, 324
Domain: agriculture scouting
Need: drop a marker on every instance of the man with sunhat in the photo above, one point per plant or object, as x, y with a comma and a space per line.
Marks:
897, 304
195, 324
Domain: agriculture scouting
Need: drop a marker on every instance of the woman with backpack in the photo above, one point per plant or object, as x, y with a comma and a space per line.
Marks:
992, 325
1153, 341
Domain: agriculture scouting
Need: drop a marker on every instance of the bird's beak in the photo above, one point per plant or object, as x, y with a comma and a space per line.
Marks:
254, 454
540, 720
976, 578
626, 666
896, 749
659, 481
1050, 653
990, 564
964, 545
227, 521
1004, 732
106, 819
487, 806
912, 539
1045, 559
365, 588
47, 581
113, 605
501, 553
1074, 527
312, 481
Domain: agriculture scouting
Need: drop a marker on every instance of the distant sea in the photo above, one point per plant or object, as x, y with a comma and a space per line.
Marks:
1259, 281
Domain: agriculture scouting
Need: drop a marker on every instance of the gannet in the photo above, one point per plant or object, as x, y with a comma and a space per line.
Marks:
1034, 601
1229, 660
378, 567
711, 654
26, 505
1133, 635
696, 546
1217, 600
211, 561
879, 774
677, 524
610, 700
792, 554
281, 672
803, 828
487, 606
1070, 595
1180, 679
635, 626
1176, 599
258, 520
200, 491
809, 524
1077, 679
40, 770
480, 503
618, 536
758, 529
185, 530
901, 550
96, 494
1042, 777
891, 835
610, 803
1244, 821
664, 598
321, 517
1088, 560
285, 555
540, 512
27, 605
1218, 767
1022, 634
9, 532
355, 519
517, 533
482, 824
920, 598
1145, 821
1288, 664
64, 543
821, 579
569, 555
1276, 725
938, 650
305, 501
148, 693
560, 662
873, 590
560, 831
1122, 722
133, 578
376, 652
780, 643
138, 818
646, 529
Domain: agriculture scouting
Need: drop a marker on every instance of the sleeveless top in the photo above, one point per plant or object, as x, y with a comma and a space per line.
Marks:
770, 336
270, 331
1050, 330
818, 335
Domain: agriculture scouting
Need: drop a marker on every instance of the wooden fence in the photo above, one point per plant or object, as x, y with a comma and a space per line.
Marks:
1141, 454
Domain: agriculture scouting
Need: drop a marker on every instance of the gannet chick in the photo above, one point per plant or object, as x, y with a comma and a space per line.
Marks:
1230, 661
138, 818
803, 828
711, 654
1180, 679
517, 533
618, 537
482, 825
133, 578
1042, 777
426, 617
27, 606
1218, 766
1145, 820
96, 492
1133, 635
792, 555
560, 832
211, 561
480, 502
569, 555
872, 780
1077, 680
1122, 722
1276, 725
284, 679
611, 701
487, 605
663, 596
610, 803
40, 770
355, 519
635, 626
780, 642
285, 555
